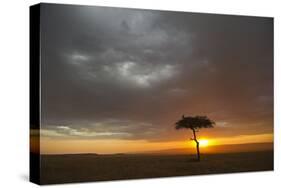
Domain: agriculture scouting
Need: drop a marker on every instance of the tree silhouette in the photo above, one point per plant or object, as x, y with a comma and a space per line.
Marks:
195, 123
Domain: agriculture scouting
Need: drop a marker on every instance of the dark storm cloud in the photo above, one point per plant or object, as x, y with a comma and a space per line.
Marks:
123, 73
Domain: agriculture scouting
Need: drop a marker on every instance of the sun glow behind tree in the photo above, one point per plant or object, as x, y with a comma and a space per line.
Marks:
204, 142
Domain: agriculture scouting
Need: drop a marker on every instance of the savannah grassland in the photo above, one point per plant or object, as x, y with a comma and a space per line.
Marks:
93, 167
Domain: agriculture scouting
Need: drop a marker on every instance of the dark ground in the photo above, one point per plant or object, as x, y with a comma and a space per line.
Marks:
90, 167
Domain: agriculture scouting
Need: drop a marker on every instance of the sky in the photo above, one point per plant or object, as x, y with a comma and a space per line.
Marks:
117, 80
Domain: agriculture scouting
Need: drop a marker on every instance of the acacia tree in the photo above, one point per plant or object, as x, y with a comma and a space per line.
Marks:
195, 123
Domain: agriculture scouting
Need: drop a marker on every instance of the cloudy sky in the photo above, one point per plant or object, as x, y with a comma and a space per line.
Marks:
127, 75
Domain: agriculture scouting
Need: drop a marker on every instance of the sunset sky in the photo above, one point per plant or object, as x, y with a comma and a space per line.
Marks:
117, 80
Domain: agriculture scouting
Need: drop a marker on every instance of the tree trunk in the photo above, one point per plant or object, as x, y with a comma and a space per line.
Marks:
197, 144
198, 151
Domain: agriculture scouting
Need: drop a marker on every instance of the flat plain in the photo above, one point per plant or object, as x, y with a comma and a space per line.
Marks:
71, 168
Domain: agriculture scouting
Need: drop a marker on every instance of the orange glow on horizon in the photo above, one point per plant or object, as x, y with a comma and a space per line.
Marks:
204, 142
53, 146
107, 146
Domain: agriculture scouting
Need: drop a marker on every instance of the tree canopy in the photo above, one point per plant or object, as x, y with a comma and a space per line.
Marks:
194, 122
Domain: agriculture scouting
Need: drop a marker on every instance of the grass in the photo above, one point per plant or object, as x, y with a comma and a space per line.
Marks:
86, 167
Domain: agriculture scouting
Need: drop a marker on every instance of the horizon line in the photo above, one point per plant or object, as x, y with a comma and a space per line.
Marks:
150, 151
